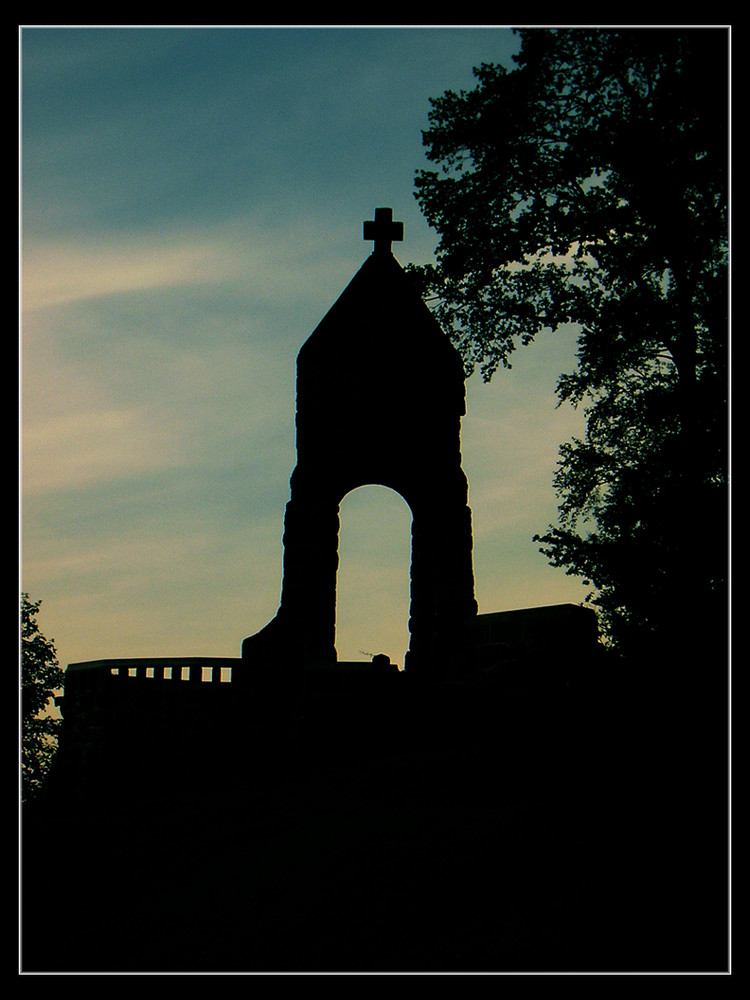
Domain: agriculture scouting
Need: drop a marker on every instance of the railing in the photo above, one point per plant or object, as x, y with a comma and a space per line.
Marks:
139, 722
193, 670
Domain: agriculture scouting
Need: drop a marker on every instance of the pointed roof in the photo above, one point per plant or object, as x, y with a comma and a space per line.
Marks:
380, 322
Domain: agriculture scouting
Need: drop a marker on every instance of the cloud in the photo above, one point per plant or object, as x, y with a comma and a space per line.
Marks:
284, 260
58, 273
91, 446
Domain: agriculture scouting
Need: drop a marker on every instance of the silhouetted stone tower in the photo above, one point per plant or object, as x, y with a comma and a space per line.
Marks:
380, 396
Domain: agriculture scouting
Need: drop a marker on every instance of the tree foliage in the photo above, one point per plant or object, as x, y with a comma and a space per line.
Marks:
588, 186
40, 677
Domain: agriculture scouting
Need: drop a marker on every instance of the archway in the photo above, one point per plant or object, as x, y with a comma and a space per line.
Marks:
380, 397
372, 592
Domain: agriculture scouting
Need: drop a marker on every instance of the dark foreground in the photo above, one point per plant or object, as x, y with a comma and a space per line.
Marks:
456, 832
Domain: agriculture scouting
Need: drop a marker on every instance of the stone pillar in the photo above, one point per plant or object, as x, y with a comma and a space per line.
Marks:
380, 396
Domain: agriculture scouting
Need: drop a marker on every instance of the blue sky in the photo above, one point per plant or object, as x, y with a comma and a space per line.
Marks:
192, 204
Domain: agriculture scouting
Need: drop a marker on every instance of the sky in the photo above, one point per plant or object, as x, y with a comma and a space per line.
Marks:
192, 203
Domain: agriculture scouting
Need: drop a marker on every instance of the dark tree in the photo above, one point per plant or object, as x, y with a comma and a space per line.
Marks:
40, 677
588, 186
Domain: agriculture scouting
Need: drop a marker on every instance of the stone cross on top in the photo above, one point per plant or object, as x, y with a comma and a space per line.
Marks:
383, 230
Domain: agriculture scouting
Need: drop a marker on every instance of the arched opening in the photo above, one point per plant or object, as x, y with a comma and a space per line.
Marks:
372, 591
